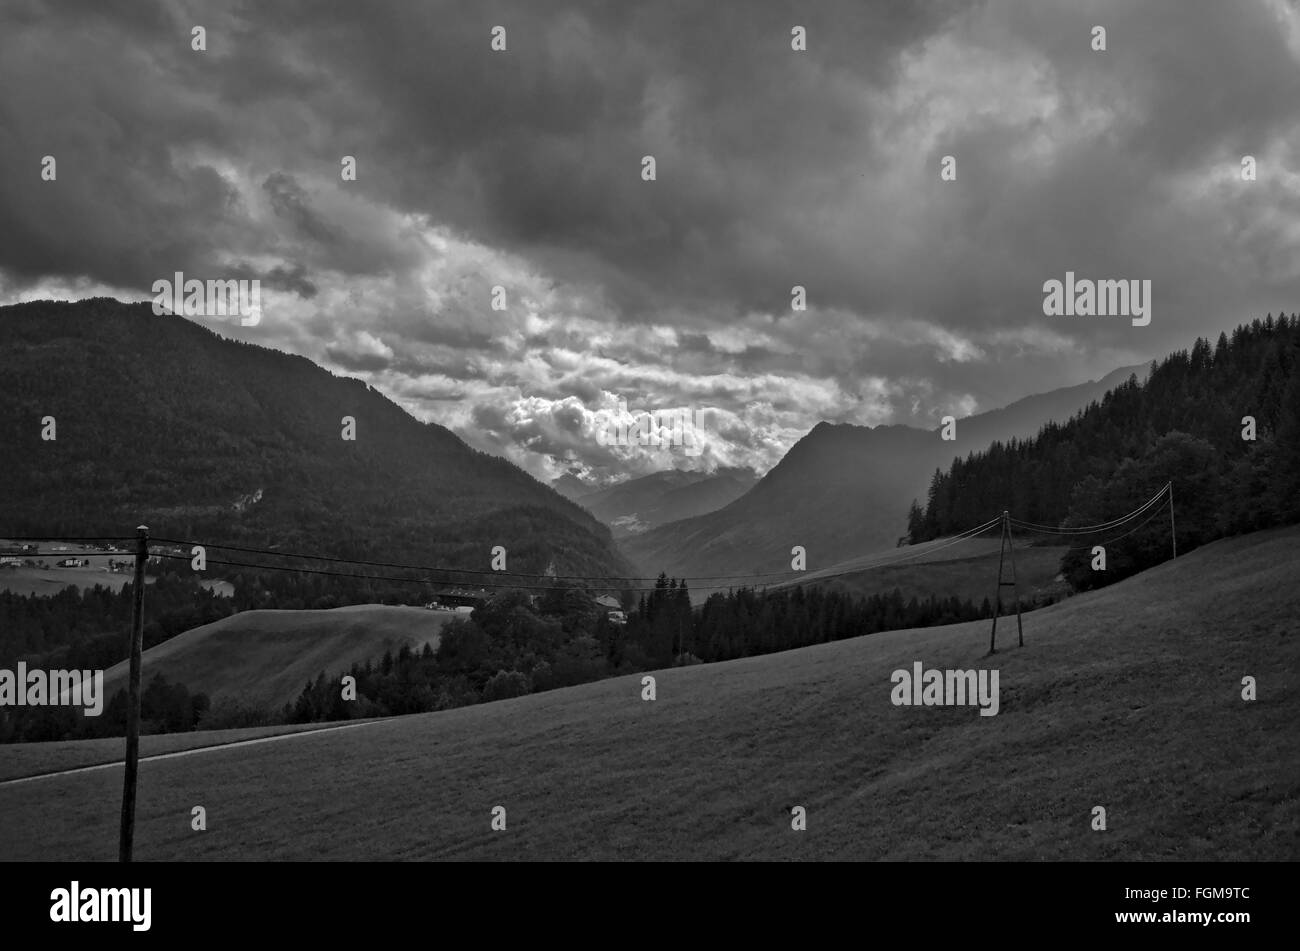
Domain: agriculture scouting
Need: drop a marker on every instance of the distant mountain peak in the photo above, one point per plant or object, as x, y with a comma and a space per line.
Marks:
841, 490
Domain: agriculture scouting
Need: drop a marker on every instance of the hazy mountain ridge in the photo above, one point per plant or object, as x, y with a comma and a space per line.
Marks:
841, 490
645, 502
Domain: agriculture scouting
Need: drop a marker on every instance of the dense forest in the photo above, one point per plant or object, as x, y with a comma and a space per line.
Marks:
88, 628
1185, 425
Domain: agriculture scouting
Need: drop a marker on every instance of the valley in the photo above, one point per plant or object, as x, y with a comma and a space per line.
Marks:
1129, 697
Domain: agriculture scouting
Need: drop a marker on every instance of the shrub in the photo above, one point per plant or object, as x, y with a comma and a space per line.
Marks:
505, 684
232, 712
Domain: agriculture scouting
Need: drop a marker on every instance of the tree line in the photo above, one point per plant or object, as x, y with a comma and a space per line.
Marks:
88, 627
1186, 425
517, 645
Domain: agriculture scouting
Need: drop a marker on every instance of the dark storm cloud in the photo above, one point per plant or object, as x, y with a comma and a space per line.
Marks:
290, 201
292, 279
775, 168
81, 83
545, 156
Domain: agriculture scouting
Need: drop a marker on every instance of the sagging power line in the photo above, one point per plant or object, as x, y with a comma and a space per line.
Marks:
624, 583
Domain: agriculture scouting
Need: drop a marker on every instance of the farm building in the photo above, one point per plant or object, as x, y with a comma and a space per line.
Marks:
613, 608
463, 598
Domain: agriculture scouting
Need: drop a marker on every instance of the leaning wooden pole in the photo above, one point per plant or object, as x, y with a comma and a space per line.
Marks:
997, 595
126, 839
1173, 534
1015, 577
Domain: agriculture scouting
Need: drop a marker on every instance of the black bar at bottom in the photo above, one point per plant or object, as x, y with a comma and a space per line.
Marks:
337, 901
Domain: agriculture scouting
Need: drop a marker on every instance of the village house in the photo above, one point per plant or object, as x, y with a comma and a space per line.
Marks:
463, 600
613, 608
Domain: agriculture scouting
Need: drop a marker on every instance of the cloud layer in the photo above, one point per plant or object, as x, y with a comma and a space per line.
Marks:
522, 169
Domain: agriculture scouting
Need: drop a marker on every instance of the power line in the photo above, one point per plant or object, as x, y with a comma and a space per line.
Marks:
1093, 529
752, 576
636, 584
428, 581
463, 571
823, 574
849, 568
642, 584
1107, 541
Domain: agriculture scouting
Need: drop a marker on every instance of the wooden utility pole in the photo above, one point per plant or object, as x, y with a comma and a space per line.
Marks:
1173, 535
1007, 545
1015, 578
127, 837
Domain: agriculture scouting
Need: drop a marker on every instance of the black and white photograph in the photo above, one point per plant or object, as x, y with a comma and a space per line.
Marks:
698, 432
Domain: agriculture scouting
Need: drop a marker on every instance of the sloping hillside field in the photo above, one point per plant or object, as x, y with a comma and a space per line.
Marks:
1129, 698
266, 657
25, 761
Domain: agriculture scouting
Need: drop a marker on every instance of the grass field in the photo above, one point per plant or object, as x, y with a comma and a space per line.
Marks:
1128, 698
33, 579
267, 656
49, 580
30, 759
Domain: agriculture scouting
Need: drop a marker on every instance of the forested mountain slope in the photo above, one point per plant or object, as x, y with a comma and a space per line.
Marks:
161, 421
1190, 424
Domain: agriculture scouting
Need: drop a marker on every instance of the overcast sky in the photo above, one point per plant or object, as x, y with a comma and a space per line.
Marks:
775, 167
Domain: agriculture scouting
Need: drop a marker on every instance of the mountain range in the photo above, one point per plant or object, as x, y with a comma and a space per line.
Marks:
158, 420
841, 491
640, 504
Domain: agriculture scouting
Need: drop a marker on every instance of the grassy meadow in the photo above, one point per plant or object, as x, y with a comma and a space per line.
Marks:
266, 657
1128, 698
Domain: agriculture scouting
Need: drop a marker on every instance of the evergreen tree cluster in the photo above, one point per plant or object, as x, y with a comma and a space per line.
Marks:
88, 628
747, 622
517, 645
1184, 426
164, 708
